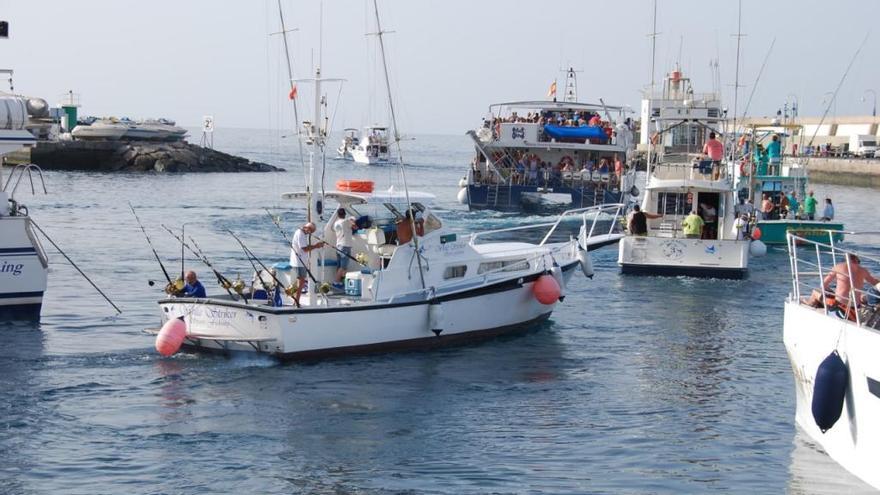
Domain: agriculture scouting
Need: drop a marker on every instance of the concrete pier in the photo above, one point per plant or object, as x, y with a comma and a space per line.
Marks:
845, 171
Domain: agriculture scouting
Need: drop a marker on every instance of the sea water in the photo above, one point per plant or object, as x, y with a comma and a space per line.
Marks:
635, 385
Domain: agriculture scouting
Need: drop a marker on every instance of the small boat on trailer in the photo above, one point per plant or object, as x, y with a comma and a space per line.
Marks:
438, 289
832, 337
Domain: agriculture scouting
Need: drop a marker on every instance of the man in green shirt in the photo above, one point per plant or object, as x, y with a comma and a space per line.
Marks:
810, 206
692, 225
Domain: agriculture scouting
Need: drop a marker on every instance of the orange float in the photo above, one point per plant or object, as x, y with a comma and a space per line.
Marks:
348, 185
546, 290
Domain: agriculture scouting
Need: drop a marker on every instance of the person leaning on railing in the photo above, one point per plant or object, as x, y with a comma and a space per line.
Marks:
842, 274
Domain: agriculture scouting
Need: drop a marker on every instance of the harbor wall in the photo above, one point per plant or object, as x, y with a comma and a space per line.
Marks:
845, 171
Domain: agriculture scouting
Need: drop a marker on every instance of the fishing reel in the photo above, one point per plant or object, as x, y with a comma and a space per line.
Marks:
362, 258
238, 285
325, 288
290, 291
175, 288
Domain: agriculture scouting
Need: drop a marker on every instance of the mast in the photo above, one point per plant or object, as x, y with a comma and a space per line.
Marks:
296, 121
736, 77
415, 238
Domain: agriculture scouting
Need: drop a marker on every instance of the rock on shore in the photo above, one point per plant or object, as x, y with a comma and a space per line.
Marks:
139, 156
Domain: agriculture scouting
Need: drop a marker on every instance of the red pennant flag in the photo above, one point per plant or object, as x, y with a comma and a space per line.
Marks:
292, 93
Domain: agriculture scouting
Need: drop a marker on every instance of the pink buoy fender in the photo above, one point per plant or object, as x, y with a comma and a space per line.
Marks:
546, 289
171, 336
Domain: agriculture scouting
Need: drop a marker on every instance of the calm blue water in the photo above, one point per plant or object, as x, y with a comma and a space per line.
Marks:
636, 385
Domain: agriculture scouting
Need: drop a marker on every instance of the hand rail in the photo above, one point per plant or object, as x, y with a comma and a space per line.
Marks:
584, 212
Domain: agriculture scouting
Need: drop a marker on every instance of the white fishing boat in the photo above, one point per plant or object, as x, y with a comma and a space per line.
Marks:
350, 139
24, 267
832, 336
681, 181
415, 283
550, 155
373, 147
102, 129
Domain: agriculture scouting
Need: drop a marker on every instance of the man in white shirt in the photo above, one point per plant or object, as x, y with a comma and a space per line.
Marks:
298, 259
342, 227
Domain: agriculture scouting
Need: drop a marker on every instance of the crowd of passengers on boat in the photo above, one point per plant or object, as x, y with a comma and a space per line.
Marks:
523, 168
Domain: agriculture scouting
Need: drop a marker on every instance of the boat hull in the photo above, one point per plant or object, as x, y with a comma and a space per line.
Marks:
774, 231
670, 256
809, 337
293, 333
23, 270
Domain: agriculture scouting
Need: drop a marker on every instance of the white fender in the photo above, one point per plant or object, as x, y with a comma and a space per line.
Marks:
586, 262
463, 195
757, 248
462, 182
435, 318
556, 271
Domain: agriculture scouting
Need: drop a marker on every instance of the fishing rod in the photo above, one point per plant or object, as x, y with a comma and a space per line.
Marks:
284, 234
252, 257
221, 279
171, 285
118, 311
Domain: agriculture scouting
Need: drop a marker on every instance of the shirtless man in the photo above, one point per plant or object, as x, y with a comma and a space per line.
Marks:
840, 276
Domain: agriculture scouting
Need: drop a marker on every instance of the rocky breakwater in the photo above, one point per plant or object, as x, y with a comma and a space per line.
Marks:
139, 156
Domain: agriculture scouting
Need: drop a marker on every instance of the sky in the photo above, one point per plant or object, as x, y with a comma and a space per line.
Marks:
448, 60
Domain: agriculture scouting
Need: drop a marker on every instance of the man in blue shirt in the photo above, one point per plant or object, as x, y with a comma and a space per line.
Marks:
193, 287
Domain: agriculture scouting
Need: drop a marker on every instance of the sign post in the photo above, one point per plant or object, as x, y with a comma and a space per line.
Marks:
208, 131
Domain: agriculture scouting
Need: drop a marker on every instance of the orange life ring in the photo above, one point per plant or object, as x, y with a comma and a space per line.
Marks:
363, 186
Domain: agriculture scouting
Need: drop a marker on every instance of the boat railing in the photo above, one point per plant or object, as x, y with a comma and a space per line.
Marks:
18, 173
590, 218
816, 266
689, 166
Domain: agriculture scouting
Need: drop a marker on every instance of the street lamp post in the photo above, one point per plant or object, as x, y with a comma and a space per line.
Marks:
874, 101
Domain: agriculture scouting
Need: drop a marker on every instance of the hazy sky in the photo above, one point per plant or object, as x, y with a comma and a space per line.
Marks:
449, 60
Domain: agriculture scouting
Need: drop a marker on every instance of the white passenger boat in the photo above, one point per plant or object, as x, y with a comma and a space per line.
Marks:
23, 263
549, 155
373, 147
681, 180
833, 345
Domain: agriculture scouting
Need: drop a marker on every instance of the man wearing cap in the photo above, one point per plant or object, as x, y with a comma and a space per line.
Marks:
298, 260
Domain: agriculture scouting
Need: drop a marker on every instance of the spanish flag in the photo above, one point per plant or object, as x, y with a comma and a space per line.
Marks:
552, 92
292, 94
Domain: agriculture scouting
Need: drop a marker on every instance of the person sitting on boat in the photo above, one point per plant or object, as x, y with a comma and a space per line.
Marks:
828, 212
405, 227
343, 228
844, 284
299, 247
193, 287
638, 221
810, 204
692, 225
774, 154
714, 149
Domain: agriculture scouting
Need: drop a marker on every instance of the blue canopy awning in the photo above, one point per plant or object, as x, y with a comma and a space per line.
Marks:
583, 132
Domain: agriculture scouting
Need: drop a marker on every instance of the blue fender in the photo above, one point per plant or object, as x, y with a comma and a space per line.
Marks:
829, 391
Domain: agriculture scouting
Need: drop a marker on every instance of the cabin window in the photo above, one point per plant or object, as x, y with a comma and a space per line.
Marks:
456, 271
670, 203
504, 266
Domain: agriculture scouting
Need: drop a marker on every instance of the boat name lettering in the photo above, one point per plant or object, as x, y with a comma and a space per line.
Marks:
7, 267
673, 249
220, 314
